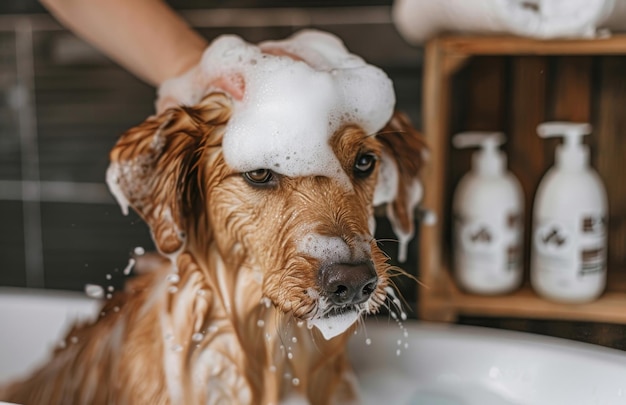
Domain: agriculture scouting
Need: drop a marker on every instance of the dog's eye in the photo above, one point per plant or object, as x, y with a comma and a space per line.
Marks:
364, 164
259, 176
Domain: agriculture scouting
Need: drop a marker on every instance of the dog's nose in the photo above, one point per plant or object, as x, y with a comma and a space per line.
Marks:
348, 284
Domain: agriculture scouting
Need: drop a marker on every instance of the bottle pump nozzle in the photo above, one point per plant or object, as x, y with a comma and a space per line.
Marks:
572, 153
489, 161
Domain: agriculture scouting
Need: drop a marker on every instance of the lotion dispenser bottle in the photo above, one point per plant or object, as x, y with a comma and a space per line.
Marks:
488, 209
568, 254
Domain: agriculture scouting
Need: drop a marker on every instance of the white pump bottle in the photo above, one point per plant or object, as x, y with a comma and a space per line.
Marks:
488, 209
568, 255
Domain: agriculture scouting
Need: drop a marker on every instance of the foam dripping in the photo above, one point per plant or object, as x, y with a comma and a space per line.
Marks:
334, 325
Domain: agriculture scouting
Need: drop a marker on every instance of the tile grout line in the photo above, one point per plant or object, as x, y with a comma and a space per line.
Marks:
31, 206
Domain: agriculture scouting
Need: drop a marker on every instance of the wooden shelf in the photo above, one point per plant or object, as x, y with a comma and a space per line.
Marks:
524, 303
512, 84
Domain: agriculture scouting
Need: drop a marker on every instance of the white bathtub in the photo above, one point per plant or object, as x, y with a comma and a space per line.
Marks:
436, 365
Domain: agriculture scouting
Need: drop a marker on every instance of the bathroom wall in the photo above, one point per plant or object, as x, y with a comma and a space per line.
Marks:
63, 105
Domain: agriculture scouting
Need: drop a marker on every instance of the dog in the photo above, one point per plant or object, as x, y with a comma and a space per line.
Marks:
249, 266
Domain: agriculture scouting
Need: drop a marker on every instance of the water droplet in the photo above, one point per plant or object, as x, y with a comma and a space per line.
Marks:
109, 296
94, 291
139, 251
108, 276
394, 315
129, 266
398, 352
294, 339
177, 348
260, 323
172, 289
290, 355
295, 381
197, 337
173, 278
368, 341
399, 342
406, 345
403, 315
299, 324
110, 288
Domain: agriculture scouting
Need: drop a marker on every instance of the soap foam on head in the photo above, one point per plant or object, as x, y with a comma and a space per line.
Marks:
296, 94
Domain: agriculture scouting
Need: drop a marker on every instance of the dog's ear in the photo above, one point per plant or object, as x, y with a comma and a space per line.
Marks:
399, 186
154, 167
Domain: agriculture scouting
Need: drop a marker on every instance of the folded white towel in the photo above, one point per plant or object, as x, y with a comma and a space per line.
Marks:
419, 20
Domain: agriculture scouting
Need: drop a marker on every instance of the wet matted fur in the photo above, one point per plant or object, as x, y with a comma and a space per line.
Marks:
222, 319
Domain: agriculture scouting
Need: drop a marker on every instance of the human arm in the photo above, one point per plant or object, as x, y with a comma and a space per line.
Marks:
145, 37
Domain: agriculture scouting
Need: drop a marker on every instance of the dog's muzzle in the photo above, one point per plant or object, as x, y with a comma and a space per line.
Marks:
348, 283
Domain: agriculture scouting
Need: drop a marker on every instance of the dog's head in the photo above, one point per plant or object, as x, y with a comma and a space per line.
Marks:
305, 242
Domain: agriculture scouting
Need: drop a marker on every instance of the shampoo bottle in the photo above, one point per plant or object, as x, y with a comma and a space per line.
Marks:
568, 255
488, 209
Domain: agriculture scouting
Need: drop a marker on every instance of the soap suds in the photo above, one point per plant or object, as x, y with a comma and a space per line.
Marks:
334, 249
331, 326
293, 104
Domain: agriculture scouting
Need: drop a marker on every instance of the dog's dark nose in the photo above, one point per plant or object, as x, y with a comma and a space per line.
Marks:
348, 284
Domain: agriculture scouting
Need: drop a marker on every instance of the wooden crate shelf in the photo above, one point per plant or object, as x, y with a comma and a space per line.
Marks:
512, 84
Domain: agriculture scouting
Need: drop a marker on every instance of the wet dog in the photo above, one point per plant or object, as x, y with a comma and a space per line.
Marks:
263, 277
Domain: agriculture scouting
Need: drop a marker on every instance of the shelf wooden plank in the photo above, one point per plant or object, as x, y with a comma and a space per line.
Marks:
507, 45
526, 304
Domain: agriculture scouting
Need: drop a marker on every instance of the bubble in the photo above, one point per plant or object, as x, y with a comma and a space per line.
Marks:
368, 341
173, 278
197, 337
294, 339
260, 323
295, 381
108, 276
139, 251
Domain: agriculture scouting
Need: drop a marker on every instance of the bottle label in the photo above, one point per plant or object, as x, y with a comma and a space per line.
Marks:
489, 249
571, 251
